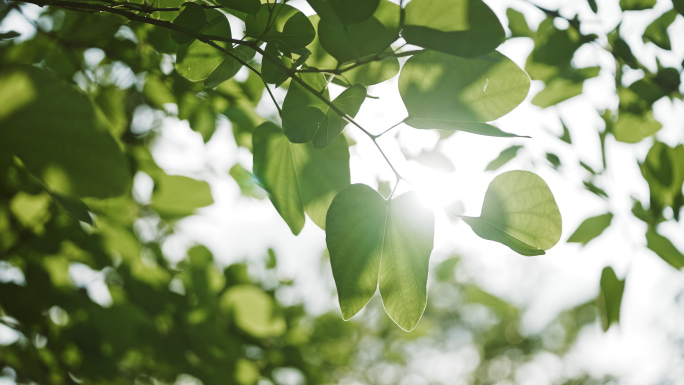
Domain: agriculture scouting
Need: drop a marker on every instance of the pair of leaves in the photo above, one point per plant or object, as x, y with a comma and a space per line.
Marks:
447, 92
59, 136
373, 241
519, 211
458, 27
298, 177
307, 117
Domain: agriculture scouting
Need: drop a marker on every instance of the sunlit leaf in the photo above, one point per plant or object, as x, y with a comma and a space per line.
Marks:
517, 24
303, 111
664, 248
349, 101
409, 238
354, 234
197, 60
229, 66
298, 177
458, 27
591, 228
191, 17
631, 128
177, 196
66, 144
448, 92
253, 311
610, 298
519, 211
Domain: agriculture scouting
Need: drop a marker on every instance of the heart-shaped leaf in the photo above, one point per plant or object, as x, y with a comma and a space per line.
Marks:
442, 91
519, 211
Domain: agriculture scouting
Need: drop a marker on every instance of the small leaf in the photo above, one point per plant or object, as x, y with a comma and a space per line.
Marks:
75, 207
374, 72
449, 92
355, 228
519, 211
593, 6
303, 111
247, 6
299, 177
504, 157
636, 5
458, 27
9, 35
664, 248
409, 239
247, 182
332, 125
229, 67
632, 128
282, 22
610, 298
556, 91
656, 32
591, 228
517, 24
177, 196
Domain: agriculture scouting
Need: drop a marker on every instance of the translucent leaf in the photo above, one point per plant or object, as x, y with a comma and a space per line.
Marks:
253, 311
67, 144
457, 27
229, 67
656, 32
247, 6
633, 128
519, 211
556, 91
282, 22
354, 234
177, 196
197, 60
517, 24
374, 72
591, 228
409, 239
332, 125
610, 298
304, 111
664, 248
504, 157
352, 42
299, 177
442, 91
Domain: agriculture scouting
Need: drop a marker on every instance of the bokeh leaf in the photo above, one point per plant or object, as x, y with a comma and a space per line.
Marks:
591, 228
610, 298
519, 211
664, 248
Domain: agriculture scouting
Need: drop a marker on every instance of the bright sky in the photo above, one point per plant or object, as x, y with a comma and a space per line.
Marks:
642, 350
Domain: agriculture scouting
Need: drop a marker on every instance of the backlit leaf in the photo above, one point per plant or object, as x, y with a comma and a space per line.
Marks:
519, 211
457, 27
177, 196
303, 111
632, 128
442, 91
664, 248
504, 157
282, 22
349, 101
610, 298
591, 228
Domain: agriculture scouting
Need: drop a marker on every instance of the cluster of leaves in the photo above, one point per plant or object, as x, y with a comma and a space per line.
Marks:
456, 81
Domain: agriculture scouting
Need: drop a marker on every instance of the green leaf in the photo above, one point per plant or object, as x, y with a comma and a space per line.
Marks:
229, 67
281, 22
664, 248
247, 6
458, 27
59, 136
636, 5
354, 11
449, 92
566, 133
197, 60
519, 211
517, 24
554, 160
177, 196
9, 35
591, 228
556, 91
593, 5
253, 311
679, 6
247, 182
75, 207
374, 72
354, 234
332, 125
632, 128
656, 32
191, 17
610, 298
355, 41
303, 111
298, 177
663, 169
272, 73
504, 157
409, 239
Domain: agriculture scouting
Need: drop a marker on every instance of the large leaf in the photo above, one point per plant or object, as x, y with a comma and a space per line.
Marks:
349, 101
457, 27
610, 298
59, 136
519, 211
409, 238
191, 17
354, 233
197, 60
281, 22
298, 177
303, 111
352, 42
664, 248
448, 92
591, 228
